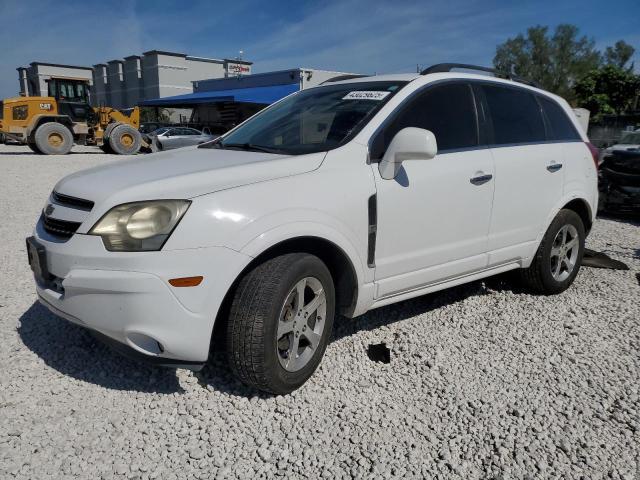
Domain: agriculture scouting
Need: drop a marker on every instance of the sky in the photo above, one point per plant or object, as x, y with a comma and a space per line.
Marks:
364, 36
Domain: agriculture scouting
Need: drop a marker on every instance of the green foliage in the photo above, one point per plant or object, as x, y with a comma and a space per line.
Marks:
148, 114
608, 89
555, 61
619, 55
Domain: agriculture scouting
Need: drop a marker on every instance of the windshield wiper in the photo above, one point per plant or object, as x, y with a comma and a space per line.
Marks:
250, 147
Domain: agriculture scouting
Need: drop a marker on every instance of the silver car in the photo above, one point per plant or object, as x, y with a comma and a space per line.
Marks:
166, 138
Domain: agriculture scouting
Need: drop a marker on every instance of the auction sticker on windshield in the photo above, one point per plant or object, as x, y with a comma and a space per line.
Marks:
366, 95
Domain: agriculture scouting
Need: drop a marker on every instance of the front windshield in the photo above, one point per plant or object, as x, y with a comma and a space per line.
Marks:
630, 138
160, 130
313, 120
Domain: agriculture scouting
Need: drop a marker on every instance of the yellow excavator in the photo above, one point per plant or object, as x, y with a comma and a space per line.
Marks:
51, 125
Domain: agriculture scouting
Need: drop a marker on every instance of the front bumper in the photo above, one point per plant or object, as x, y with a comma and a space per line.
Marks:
126, 297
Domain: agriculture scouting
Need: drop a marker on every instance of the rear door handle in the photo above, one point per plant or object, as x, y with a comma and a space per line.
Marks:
554, 167
481, 179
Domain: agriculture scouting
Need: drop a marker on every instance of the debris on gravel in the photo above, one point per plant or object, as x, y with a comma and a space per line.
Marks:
487, 381
601, 260
379, 352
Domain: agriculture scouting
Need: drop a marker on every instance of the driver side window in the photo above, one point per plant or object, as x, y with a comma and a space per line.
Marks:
446, 110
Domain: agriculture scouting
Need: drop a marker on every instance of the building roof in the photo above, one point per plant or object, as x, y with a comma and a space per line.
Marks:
238, 60
44, 64
261, 95
164, 52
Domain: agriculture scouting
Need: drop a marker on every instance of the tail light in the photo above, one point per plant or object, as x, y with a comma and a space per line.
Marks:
595, 153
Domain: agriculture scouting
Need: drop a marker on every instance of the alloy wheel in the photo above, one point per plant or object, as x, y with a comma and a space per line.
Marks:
301, 324
564, 253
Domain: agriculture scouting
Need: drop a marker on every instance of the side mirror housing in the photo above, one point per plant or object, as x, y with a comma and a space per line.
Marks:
408, 144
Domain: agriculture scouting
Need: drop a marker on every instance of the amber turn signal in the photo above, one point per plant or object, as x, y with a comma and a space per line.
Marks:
186, 281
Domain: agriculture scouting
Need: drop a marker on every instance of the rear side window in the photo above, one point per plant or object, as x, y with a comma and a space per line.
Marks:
447, 110
558, 124
515, 115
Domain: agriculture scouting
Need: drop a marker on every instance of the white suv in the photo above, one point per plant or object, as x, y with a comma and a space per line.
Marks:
337, 199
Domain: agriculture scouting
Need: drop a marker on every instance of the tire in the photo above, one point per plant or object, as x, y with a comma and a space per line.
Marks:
105, 147
125, 140
544, 275
53, 139
34, 148
265, 300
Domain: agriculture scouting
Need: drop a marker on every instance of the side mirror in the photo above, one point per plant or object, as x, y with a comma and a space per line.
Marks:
408, 144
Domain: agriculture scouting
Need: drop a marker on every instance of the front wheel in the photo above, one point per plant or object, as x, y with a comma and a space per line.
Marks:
125, 140
559, 256
280, 322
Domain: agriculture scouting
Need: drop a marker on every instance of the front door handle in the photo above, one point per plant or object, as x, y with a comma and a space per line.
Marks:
554, 167
481, 179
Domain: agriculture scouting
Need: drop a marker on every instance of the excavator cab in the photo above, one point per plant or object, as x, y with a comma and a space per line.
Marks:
72, 97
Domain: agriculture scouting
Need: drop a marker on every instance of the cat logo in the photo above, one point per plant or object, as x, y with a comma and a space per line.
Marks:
45, 106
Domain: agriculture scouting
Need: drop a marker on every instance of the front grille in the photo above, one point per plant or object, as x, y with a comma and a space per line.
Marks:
60, 228
77, 203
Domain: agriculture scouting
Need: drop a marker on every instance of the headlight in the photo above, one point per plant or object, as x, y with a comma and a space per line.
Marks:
139, 226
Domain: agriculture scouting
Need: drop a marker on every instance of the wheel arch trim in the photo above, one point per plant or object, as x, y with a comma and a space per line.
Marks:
569, 199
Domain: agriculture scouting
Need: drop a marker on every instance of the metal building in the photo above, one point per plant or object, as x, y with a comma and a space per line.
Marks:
127, 82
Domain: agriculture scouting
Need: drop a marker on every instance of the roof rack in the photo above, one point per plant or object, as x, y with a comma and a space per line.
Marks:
339, 78
447, 67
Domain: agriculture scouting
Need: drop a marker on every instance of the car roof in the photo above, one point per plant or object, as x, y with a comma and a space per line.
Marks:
430, 77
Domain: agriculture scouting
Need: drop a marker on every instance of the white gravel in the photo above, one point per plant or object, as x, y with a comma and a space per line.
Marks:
484, 382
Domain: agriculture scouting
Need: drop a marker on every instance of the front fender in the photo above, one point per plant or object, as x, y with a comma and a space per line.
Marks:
301, 229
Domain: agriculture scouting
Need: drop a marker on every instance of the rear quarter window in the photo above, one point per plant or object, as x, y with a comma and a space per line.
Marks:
514, 114
559, 126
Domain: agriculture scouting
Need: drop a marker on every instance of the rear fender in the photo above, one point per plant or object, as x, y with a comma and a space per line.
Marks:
566, 199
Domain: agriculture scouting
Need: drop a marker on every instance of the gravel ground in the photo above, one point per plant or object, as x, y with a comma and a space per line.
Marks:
484, 381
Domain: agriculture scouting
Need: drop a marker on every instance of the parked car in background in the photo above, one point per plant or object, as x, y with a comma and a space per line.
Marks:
167, 138
619, 180
149, 127
628, 141
337, 199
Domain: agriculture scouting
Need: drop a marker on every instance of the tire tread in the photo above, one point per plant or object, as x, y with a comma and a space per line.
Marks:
533, 277
247, 316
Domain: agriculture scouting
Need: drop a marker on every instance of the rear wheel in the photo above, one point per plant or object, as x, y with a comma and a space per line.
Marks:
559, 256
125, 140
280, 322
53, 139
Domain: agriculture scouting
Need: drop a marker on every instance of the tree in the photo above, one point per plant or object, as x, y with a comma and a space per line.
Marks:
619, 55
608, 89
555, 61
148, 114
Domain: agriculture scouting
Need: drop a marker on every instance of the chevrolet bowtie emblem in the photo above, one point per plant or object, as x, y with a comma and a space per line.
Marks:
49, 210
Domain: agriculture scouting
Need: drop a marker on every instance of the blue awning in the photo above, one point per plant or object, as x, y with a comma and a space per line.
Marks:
263, 95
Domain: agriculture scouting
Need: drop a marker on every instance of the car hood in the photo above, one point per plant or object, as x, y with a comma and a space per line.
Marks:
622, 146
182, 173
